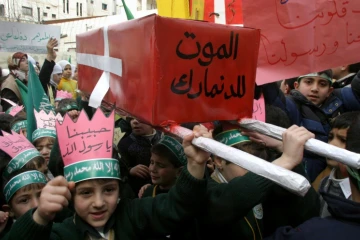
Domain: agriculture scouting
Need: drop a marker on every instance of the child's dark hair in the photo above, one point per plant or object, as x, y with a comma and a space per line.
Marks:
64, 103
5, 122
290, 82
164, 152
276, 116
354, 68
353, 145
344, 120
16, 119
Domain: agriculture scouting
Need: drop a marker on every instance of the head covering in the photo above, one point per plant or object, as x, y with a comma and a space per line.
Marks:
56, 70
22, 180
16, 127
63, 64
73, 68
231, 137
45, 123
32, 60
14, 60
14, 109
86, 147
19, 149
175, 147
322, 75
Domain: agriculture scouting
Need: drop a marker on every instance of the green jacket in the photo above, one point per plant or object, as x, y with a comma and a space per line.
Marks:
132, 219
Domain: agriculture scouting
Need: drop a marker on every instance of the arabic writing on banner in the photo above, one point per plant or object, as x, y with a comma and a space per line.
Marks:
259, 109
30, 38
303, 36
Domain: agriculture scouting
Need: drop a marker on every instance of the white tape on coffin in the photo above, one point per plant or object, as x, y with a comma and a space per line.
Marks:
105, 63
220, 8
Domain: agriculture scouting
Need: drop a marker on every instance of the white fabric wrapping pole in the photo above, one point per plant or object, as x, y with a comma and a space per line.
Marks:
220, 8
316, 146
105, 63
291, 181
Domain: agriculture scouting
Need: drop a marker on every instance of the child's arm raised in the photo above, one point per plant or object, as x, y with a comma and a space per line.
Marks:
54, 197
165, 212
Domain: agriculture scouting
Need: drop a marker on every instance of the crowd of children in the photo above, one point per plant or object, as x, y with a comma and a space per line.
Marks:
70, 179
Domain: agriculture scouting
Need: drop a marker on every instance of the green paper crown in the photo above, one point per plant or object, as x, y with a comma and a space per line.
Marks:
323, 76
175, 147
20, 160
231, 137
22, 180
19, 125
92, 169
42, 132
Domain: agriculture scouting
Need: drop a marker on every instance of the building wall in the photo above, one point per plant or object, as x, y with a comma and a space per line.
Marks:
35, 11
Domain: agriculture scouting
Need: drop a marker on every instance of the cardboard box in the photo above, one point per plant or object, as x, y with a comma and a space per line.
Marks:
176, 70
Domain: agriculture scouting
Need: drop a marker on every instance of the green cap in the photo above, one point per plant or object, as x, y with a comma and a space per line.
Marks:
20, 160
322, 75
72, 106
22, 180
175, 147
231, 137
19, 125
92, 169
43, 132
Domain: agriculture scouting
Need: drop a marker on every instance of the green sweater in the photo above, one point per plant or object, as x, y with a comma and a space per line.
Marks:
132, 219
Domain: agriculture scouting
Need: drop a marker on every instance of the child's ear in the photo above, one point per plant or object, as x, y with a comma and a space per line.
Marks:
296, 85
8, 209
331, 89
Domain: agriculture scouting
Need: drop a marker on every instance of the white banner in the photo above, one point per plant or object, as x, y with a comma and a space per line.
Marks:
28, 38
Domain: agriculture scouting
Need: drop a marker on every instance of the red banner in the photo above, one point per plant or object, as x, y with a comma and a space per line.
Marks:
173, 69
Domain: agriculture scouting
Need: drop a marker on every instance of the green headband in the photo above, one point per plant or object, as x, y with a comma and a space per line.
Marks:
19, 125
42, 132
323, 76
72, 106
175, 147
231, 137
9, 109
20, 161
92, 169
22, 180
355, 174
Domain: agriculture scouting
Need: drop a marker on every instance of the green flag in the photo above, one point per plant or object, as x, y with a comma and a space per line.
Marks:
127, 11
33, 97
69, 59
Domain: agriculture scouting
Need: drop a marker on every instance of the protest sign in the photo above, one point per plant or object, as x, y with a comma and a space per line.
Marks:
303, 36
29, 38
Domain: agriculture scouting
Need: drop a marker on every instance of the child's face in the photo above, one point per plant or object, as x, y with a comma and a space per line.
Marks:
25, 199
315, 89
337, 137
140, 129
44, 146
162, 171
57, 77
95, 201
24, 64
67, 72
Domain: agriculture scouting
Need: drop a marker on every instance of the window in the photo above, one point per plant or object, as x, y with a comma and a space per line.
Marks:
53, 16
2, 10
80, 9
77, 9
27, 11
92, 1
139, 5
67, 6
104, 6
44, 14
64, 6
151, 4
47, 7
